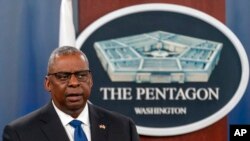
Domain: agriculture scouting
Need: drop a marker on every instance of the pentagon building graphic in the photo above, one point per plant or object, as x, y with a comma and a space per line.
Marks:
158, 57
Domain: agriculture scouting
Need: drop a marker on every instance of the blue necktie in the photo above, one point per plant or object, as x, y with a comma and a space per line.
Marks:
79, 134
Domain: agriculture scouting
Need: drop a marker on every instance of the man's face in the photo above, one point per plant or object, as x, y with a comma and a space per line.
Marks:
71, 93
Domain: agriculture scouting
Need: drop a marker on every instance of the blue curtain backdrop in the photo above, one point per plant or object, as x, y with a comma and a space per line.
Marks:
28, 33
238, 20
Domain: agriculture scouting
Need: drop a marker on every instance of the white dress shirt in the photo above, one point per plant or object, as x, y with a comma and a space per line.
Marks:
66, 119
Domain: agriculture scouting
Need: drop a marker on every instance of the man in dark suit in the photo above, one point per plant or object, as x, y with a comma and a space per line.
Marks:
69, 81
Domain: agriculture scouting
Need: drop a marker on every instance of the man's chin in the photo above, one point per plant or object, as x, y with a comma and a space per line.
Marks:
75, 106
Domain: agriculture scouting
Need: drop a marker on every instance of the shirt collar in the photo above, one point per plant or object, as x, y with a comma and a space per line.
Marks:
65, 118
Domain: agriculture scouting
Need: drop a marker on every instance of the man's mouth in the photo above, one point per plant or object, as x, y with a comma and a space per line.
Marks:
74, 97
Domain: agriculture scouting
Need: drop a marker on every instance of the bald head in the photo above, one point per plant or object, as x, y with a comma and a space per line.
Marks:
64, 51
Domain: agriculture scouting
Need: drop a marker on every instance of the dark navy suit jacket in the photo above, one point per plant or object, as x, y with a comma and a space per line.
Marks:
45, 125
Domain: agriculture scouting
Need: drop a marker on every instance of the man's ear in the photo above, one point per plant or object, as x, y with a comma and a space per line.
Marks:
47, 84
91, 80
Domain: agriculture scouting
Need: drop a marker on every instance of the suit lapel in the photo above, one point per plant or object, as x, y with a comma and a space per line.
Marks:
54, 130
52, 126
99, 125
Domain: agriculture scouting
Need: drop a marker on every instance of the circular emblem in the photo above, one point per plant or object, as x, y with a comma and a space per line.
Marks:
171, 68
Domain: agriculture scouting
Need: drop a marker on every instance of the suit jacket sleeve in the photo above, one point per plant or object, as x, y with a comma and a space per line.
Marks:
134, 135
9, 134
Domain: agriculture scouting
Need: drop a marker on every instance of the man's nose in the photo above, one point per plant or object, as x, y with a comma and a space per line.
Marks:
73, 81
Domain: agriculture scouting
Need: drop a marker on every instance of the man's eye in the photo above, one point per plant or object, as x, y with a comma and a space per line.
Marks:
81, 75
62, 76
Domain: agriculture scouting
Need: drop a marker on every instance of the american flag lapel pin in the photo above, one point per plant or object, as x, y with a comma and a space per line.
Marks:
102, 126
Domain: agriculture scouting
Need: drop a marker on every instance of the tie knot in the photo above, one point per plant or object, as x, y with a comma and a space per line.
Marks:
75, 123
